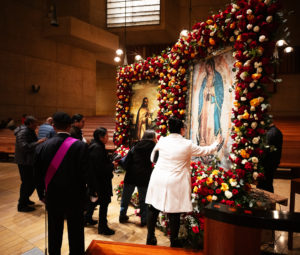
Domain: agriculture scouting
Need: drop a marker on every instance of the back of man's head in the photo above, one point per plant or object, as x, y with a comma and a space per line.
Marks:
49, 120
29, 120
61, 120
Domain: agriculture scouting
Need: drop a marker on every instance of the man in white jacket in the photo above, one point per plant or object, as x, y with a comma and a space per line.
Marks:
169, 188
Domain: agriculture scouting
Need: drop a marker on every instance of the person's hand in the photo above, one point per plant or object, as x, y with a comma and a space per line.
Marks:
42, 140
115, 164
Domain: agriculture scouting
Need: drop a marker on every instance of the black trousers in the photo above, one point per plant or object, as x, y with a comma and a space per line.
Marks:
27, 183
174, 220
102, 212
75, 225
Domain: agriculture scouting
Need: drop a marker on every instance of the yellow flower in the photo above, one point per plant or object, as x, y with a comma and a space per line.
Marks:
209, 198
256, 76
212, 41
215, 172
224, 186
199, 178
161, 74
182, 70
209, 21
181, 112
246, 115
236, 129
236, 104
244, 154
195, 189
209, 180
255, 102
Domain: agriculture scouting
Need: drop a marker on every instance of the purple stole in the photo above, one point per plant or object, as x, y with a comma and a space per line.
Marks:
58, 158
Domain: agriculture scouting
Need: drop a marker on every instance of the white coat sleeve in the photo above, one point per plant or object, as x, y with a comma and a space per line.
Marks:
204, 150
156, 148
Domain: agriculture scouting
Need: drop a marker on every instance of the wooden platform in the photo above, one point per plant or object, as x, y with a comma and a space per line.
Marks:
105, 247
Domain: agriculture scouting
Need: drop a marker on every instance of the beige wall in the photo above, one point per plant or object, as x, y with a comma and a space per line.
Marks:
69, 77
66, 74
106, 98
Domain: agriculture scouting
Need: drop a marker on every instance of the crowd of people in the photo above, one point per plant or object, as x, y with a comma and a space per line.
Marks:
72, 177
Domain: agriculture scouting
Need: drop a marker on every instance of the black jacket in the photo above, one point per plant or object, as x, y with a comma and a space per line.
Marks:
26, 141
100, 171
68, 186
139, 166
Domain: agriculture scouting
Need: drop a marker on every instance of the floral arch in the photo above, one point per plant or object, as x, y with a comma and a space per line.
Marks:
249, 27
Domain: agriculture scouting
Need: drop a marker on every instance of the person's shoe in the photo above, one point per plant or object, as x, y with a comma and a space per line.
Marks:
106, 231
29, 202
25, 208
90, 222
176, 243
151, 241
123, 218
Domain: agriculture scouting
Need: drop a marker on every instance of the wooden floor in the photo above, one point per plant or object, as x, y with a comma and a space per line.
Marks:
20, 232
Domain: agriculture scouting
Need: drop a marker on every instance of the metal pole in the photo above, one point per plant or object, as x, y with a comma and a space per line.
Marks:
46, 232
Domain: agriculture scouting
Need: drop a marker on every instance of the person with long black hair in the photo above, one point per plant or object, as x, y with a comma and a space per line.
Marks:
138, 171
100, 174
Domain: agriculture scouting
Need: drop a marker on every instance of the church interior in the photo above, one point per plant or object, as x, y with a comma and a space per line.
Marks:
61, 56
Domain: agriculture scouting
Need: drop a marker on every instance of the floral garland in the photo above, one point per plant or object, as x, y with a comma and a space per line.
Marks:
249, 27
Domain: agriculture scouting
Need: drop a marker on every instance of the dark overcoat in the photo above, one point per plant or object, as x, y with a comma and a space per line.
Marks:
100, 171
68, 186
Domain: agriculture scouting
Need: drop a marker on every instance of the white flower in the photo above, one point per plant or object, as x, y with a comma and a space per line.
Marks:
239, 16
259, 70
235, 6
264, 106
256, 29
245, 124
228, 194
254, 159
243, 98
247, 63
233, 183
252, 84
262, 38
244, 161
255, 174
252, 108
249, 26
262, 123
214, 198
267, 2
227, 20
257, 64
239, 117
233, 10
255, 140
236, 32
212, 33
243, 75
261, 99
269, 19
249, 11
254, 125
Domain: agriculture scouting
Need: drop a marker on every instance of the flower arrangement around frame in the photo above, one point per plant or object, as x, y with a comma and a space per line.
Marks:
249, 27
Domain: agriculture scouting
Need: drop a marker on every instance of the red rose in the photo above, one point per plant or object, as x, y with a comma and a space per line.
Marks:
195, 229
248, 166
218, 191
235, 191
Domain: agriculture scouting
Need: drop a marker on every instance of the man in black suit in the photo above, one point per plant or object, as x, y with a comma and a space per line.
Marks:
272, 158
65, 194
26, 142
